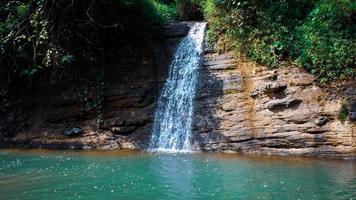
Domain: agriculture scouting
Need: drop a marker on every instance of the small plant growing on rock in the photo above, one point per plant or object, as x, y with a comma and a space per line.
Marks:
344, 112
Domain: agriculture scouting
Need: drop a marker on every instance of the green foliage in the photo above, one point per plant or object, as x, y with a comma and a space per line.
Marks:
327, 40
31, 72
23, 33
68, 59
215, 17
42, 37
166, 11
189, 10
318, 35
344, 112
47, 42
140, 13
259, 29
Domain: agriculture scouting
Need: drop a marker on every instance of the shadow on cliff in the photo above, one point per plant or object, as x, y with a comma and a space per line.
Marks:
117, 100
206, 122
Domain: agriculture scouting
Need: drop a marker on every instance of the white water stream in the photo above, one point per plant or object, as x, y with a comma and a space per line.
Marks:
172, 128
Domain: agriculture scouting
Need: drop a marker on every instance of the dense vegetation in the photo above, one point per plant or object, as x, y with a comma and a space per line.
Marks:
46, 41
38, 35
49, 40
319, 35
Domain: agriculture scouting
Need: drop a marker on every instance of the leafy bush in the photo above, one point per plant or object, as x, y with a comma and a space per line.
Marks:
38, 36
327, 40
166, 11
318, 35
24, 37
343, 112
259, 29
46, 42
189, 10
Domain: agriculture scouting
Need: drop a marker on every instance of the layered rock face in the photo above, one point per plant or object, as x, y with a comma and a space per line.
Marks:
239, 107
120, 110
242, 107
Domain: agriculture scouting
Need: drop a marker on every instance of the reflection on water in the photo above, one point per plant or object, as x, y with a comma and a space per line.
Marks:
163, 166
139, 175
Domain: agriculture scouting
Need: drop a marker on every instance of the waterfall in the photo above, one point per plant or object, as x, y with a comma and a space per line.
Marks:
172, 127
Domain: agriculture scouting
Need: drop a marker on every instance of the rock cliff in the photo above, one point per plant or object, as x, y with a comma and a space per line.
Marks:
240, 107
243, 107
116, 115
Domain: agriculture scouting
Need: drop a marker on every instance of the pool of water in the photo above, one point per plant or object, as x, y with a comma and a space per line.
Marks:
39, 174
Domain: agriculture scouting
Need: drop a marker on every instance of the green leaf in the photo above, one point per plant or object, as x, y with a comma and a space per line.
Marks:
67, 59
23, 10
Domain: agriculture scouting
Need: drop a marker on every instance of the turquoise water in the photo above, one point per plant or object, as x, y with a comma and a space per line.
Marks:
136, 175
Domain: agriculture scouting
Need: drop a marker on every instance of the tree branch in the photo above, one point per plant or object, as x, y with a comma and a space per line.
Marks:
97, 23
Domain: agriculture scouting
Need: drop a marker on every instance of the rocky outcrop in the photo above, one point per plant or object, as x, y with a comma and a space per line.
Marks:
242, 107
351, 96
79, 118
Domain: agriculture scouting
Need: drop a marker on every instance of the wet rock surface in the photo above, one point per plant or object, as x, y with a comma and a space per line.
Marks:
176, 30
73, 132
281, 112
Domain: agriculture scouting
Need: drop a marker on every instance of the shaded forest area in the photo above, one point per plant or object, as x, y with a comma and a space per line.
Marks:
51, 41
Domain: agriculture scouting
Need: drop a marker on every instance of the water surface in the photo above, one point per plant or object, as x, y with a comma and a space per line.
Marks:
39, 174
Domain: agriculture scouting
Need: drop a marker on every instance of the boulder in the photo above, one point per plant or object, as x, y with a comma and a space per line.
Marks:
301, 79
321, 121
73, 132
175, 30
283, 103
124, 130
268, 87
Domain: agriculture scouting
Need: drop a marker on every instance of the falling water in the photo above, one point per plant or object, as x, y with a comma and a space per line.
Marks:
173, 117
